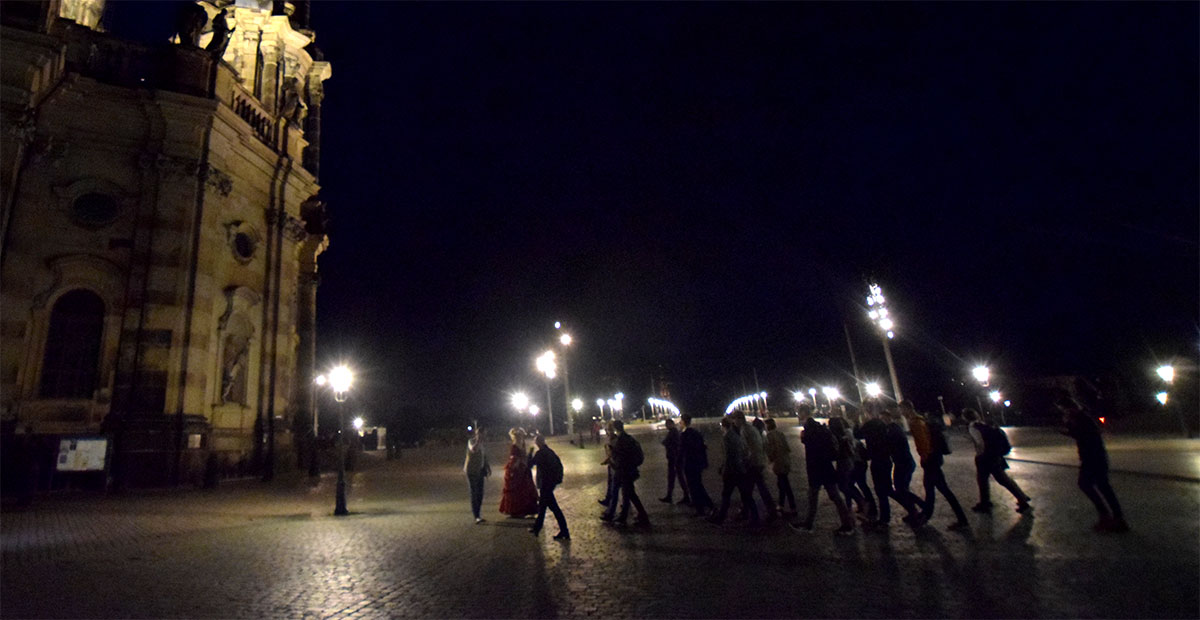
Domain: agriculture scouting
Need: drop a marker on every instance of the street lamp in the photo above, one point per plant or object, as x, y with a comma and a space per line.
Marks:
812, 393
565, 339
1161, 397
831, 394
1166, 372
358, 423
314, 468
982, 374
879, 315
520, 401
547, 366
995, 396
600, 406
619, 401
873, 389
340, 379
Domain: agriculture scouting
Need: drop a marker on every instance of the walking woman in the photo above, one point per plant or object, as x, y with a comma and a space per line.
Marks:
519, 497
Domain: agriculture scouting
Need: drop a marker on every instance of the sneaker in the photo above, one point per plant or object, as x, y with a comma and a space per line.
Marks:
845, 530
981, 507
665, 500
562, 536
801, 526
478, 520
958, 525
1024, 506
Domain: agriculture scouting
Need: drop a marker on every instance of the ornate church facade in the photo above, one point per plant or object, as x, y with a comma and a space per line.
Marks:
161, 229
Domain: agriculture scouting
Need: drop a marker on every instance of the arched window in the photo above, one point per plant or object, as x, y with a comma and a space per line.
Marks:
73, 346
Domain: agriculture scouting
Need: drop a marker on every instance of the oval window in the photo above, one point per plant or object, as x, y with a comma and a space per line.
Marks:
94, 210
244, 246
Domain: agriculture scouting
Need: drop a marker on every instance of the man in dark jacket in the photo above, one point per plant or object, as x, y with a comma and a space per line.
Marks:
1093, 466
874, 432
549, 475
903, 467
626, 458
820, 451
694, 459
674, 465
733, 473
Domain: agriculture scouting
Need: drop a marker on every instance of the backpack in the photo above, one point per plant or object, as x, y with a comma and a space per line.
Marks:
995, 441
635, 450
554, 469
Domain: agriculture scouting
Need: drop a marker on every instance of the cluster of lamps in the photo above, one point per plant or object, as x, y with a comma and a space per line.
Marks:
657, 404
749, 401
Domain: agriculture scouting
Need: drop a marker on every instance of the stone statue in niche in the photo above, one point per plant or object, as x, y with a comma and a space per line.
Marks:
293, 106
233, 369
190, 23
221, 34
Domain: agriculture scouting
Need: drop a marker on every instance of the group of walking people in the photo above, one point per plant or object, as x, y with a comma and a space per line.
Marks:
839, 456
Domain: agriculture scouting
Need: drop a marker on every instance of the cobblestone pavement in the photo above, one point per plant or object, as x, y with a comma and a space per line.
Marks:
410, 549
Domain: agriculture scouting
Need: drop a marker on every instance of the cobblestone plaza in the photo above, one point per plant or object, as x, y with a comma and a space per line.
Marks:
411, 549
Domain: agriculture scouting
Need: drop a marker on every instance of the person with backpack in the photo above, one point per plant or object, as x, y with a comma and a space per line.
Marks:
549, 475
1093, 465
694, 457
991, 446
820, 451
929, 436
626, 458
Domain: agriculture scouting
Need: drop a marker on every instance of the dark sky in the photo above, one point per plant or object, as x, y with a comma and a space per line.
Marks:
705, 188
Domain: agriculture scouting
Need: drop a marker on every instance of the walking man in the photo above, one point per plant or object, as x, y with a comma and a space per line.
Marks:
780, 456
549, 475
991, 444
674, 465
820, 451
733, 473
626, 458
929, 436
477, 469
903, 467
757, 462
1093, 466
875, 432
694, 455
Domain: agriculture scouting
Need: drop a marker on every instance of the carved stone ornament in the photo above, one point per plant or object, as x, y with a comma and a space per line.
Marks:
183, 167
293, 230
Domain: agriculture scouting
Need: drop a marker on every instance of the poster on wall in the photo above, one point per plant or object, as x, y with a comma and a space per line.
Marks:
82, 454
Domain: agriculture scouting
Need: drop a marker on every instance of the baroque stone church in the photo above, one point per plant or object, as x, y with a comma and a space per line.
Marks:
161, 228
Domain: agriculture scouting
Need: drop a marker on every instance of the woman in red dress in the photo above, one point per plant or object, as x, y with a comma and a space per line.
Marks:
520, 496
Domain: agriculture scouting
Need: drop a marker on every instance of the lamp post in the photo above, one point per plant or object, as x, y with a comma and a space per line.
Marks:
565, 340
880, 316
547, 366
340, 379
619, 401
314, 468
812, 393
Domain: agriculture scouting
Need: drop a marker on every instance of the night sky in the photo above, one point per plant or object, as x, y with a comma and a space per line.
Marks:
703, 190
